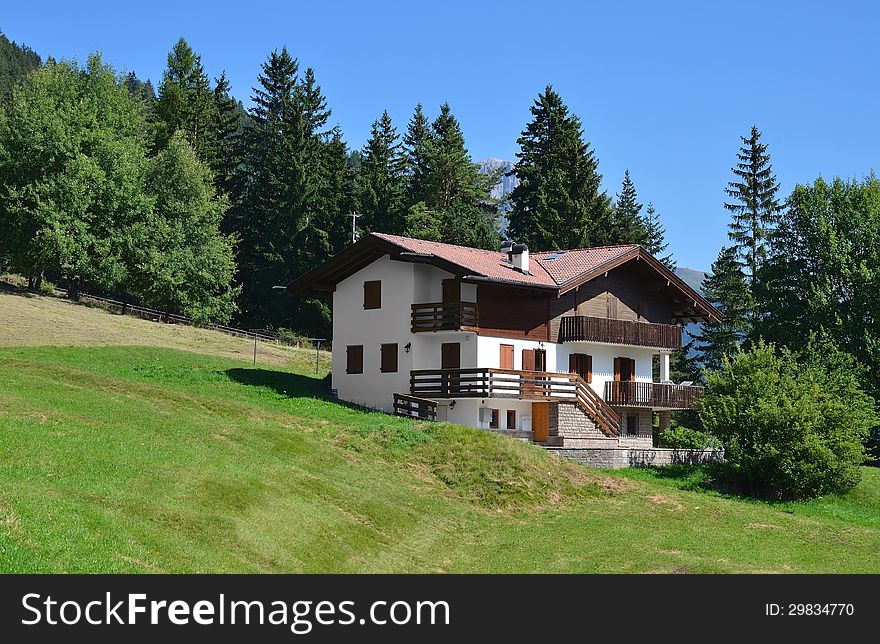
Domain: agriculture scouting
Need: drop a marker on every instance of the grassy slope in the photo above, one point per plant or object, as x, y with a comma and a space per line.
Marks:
130, 459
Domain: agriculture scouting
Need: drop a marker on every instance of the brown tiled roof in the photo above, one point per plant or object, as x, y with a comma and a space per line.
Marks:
546, 268
558, 271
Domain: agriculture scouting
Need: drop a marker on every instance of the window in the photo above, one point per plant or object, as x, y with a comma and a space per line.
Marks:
373, 294
582, 365
511, 419
354, 359
389, 358
506, 359
493, 424
632, 425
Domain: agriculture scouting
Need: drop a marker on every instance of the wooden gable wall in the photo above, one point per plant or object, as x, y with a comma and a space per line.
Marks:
625, 294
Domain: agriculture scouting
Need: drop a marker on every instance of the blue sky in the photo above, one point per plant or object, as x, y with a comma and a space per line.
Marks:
663, 88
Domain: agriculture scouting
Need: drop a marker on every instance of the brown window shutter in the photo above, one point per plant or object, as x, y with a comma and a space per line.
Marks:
388, 362
451, 291
373, 294
528, 359
589, 368
354, 359
573, 363
506, 358
617, 369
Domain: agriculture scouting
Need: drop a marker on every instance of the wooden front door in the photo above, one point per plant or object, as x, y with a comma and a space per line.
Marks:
450, 358
624, 371
540, 421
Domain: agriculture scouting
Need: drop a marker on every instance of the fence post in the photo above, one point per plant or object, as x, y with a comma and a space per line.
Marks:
255, 348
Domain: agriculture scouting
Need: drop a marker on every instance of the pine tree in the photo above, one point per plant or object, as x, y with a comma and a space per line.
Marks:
228, 115
186, 103
558, 202
656, 243
289, 211
415, 141
754, 205
727, 288
627, 225
381, 182
455, 189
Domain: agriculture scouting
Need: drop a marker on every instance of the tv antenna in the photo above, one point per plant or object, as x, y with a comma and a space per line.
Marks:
354, 235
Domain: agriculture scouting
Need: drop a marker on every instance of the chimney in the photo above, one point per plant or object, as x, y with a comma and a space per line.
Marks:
519, 255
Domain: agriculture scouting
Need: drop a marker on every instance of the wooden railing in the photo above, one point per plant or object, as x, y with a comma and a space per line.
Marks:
413, 407
583, 328
443, 316
651, 394
508, 383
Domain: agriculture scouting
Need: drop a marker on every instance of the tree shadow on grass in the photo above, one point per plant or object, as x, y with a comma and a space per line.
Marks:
288, 384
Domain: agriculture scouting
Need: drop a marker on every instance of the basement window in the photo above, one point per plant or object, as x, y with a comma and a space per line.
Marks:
511, 419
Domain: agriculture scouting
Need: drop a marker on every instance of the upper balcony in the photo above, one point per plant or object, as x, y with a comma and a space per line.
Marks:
582, 328
444, 316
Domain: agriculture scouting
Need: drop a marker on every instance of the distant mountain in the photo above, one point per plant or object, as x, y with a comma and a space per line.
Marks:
507, 183
692, 278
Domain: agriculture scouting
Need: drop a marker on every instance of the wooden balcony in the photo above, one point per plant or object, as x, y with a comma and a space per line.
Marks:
582, 328
545, 386
443, 316
651, 394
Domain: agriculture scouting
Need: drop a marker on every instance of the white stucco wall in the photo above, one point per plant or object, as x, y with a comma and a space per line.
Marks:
403, 284
603, 361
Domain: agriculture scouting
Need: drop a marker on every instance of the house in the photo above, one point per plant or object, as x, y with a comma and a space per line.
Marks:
569, 348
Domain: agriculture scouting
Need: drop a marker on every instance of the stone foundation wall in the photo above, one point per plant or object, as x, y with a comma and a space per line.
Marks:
571, 427
621, 457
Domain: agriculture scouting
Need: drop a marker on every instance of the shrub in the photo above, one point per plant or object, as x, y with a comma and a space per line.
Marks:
686, 438
790, 428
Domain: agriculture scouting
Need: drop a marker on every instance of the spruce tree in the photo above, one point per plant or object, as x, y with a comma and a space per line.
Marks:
656, 243
381, 182
415, 141
290, 204
627, 225
227, 123
754, 206
186, 103
558, 202
727, 288
455, 189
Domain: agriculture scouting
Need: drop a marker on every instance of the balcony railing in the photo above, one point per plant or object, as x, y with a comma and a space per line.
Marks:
443, 316
582, 328
508, 383
651, 394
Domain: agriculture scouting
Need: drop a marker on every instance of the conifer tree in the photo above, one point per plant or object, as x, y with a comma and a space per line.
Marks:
290, 205
627, 225
558, 202
415, 141
727, 288
227, 124
455, 189
381, 182
186, 103
754, 206
656, 237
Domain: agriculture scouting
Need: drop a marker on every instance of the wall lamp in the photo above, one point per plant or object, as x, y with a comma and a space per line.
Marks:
452, 404
407, 347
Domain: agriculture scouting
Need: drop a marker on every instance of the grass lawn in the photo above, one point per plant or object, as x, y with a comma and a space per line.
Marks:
153, 459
